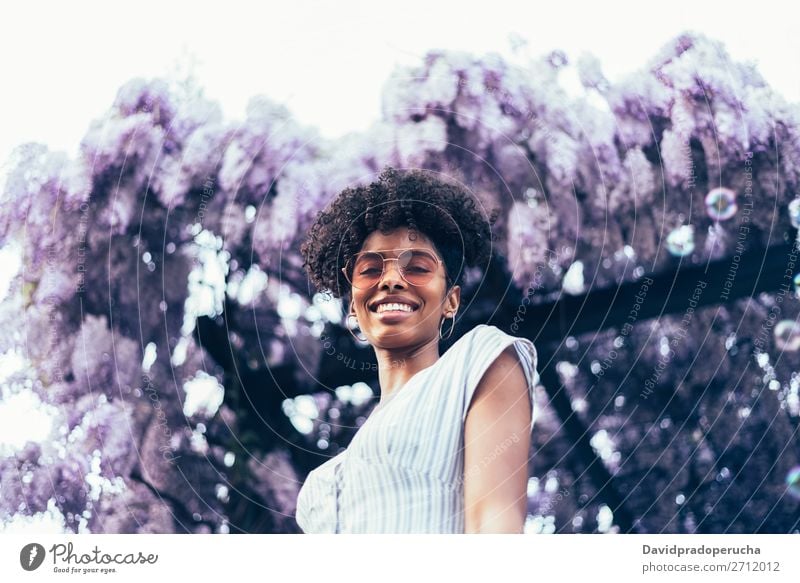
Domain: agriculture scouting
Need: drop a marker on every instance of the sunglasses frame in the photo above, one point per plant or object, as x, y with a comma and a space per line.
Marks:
400, 251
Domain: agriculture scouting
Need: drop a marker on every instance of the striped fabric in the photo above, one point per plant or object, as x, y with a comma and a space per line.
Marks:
403, 470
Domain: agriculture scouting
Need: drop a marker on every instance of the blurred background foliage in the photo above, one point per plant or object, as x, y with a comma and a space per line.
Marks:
179, 374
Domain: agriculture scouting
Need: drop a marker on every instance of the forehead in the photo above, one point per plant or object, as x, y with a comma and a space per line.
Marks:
399, 238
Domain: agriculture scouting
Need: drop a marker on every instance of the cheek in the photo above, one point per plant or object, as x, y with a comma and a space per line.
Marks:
432, 301
435, 296
360, 299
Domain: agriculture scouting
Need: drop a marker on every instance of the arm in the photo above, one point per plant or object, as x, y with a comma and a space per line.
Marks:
496, 445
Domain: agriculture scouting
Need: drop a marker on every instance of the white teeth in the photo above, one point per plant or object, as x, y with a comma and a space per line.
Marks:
390, 307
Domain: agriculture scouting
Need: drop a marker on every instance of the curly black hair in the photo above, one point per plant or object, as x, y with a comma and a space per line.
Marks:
442, 210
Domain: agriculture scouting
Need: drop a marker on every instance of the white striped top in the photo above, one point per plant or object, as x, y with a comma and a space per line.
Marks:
403, 470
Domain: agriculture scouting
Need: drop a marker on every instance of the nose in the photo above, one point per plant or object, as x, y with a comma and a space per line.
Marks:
391, 276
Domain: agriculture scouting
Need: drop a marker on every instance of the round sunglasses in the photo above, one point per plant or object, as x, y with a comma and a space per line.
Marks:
416, 266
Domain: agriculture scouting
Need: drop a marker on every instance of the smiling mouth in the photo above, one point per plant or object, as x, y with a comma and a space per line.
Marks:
393, 307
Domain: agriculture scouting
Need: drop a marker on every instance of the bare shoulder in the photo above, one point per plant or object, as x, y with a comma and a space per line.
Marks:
502, 385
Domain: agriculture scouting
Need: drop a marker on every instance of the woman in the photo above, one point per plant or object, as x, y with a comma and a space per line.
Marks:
446, 448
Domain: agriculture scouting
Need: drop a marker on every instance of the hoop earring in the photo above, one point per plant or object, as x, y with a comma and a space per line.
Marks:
452, 326
350, 329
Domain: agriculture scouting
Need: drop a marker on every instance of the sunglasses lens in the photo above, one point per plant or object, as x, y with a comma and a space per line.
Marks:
367, 270
417, 267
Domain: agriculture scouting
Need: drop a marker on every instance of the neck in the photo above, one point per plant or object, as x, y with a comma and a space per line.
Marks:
397, 365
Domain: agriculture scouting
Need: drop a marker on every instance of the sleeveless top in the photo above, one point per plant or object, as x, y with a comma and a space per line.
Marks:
403, 470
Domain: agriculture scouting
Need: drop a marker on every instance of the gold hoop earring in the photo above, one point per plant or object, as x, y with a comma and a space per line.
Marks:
452, 326
349, 329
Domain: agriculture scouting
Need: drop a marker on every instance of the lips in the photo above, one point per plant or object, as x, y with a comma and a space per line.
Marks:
393, 316
394, 300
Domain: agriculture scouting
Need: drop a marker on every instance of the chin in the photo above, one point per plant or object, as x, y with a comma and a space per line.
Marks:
397, 336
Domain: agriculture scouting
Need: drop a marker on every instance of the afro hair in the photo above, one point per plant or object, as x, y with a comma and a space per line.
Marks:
442, 210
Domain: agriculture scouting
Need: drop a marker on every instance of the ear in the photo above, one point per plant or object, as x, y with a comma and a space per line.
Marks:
453, 300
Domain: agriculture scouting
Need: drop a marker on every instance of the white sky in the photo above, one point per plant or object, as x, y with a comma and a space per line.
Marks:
62, 62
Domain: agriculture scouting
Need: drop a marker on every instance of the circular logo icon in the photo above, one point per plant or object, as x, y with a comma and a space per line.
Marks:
31, 556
